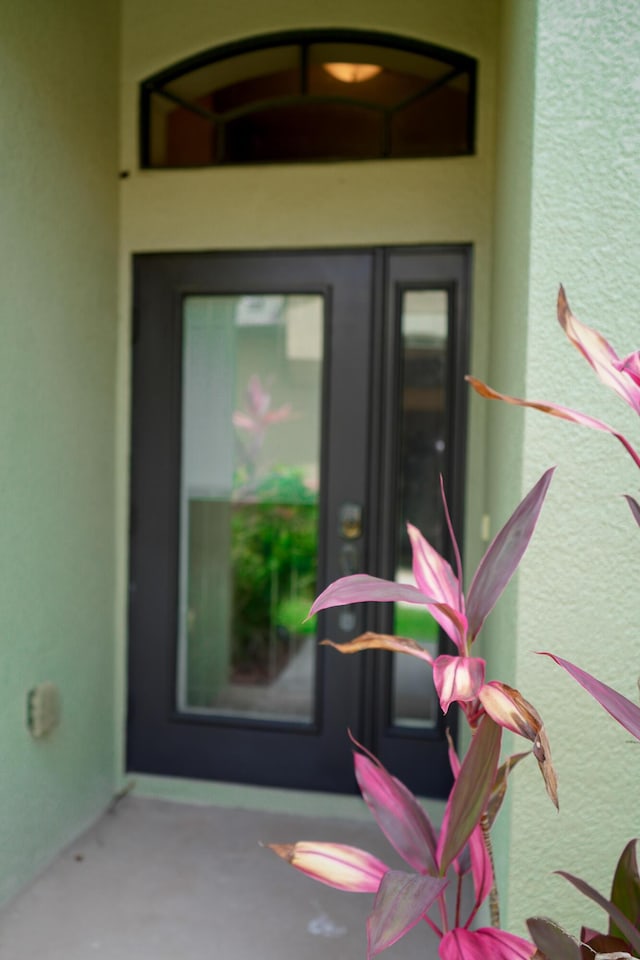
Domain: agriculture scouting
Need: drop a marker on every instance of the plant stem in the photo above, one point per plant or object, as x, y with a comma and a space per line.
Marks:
494, 902
458, 899
434, 926
442, 906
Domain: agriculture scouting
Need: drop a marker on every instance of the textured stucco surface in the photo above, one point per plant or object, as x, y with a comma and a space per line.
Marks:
577, 594
507, 344
58, 196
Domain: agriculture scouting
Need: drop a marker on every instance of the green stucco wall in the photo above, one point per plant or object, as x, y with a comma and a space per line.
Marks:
58, 236
572, 209
507, 344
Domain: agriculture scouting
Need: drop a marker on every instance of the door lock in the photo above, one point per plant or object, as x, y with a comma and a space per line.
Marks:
350, 521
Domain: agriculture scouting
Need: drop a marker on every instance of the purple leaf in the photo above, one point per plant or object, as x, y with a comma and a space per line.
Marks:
552, 939
625, 890
634, 506
484, 944
624, 711
478, 860
628, 930
470, 792
603, 945
401, 901
361, 588
499, 789
503, 556
398, 814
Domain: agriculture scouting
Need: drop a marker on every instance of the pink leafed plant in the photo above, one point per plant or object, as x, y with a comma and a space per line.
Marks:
462, 847
254, 421
622, 375
438, 860
460, 851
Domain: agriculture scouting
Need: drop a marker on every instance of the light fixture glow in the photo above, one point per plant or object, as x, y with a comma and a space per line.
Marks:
352, 72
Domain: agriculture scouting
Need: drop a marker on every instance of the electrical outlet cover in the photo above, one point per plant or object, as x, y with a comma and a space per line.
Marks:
43, 709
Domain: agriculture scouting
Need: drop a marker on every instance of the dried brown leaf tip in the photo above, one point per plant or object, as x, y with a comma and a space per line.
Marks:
381, 641
508, 707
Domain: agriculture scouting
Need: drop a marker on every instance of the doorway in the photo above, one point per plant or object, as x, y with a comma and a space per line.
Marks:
291, 412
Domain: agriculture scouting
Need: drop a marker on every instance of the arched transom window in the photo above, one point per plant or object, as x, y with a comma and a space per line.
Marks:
314, 96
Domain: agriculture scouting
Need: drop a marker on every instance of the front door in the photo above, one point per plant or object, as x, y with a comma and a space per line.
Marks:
291, 411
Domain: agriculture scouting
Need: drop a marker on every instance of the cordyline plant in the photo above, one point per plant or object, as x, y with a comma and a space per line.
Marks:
623, 906
462, 847
254, 422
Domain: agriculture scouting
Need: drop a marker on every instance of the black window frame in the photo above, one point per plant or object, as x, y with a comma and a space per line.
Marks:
459, 63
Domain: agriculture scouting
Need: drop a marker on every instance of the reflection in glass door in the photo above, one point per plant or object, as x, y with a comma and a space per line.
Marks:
251, 406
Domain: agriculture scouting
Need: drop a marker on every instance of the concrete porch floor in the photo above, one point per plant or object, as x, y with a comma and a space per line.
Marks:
156, 880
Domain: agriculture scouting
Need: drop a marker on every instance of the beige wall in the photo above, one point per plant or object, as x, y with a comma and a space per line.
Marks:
58, 305
321, 205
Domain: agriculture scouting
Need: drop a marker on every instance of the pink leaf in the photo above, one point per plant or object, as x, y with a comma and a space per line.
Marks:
555, 410
481, 869
337, 865
484, 944
398, 814
470, 792
361, 588
624, 711
280, 415
457, 679
435, 578
630, 365
619, 375
243, 421
401, 901
503, 556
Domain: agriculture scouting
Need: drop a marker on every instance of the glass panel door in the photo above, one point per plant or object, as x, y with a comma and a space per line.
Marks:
290, 412
251, 430
424, 326
251, 384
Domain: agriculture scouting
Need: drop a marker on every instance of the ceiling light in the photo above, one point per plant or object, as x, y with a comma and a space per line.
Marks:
352, 72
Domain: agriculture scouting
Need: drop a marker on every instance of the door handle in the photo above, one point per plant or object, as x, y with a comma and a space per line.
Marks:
350, 521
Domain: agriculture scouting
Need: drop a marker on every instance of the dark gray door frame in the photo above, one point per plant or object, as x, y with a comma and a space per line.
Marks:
361, 290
